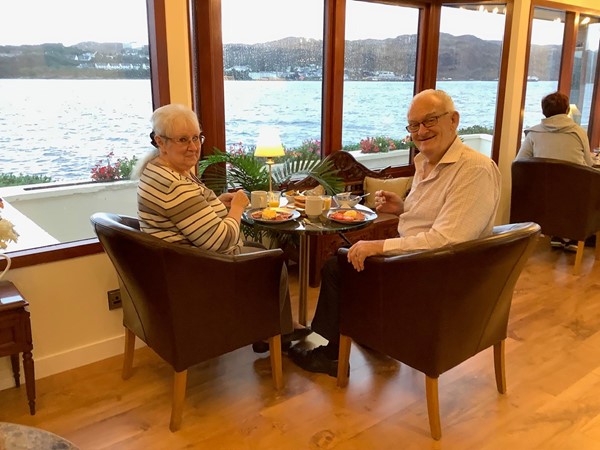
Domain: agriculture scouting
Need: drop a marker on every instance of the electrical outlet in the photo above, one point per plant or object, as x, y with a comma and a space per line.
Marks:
114, 299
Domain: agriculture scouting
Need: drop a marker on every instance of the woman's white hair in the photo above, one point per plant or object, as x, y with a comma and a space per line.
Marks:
162, 121
164, 117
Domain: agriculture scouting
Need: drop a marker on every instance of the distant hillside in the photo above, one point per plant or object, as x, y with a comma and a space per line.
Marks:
84, 60
461, 58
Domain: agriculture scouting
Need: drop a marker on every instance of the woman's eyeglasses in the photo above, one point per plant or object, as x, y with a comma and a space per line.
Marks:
186, 141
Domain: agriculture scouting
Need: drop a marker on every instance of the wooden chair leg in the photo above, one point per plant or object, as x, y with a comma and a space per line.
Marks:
179, 384
128, 354
433, 407
598, 245
276, 364
499, 366
343, 360
578, 257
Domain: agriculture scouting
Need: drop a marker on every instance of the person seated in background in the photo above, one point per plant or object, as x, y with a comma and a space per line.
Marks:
174, 204
557, 137
454, 198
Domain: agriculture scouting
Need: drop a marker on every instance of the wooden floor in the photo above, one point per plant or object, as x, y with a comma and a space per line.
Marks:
553, 398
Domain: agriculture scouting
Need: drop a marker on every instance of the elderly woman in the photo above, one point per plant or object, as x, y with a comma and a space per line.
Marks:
174, 205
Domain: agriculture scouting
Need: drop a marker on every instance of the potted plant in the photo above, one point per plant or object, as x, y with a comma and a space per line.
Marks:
250, 173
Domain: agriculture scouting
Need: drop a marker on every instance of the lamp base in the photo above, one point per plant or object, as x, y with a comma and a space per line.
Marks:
270, 163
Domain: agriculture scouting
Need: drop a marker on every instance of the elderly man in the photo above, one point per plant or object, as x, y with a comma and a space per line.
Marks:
454, 198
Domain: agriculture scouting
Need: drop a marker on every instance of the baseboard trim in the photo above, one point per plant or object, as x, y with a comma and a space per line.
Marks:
71, 359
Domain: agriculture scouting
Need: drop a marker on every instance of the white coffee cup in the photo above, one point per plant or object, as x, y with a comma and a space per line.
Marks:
313, 206
258, 199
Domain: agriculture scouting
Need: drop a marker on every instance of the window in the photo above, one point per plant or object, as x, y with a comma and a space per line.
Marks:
379, 81
543, 73
584, 68
563, 55
469, 60
273, 70
76, 96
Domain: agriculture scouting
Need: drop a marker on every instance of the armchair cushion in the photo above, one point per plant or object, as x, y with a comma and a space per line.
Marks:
400, 186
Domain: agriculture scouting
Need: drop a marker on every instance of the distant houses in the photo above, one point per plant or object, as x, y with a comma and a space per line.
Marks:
308, 73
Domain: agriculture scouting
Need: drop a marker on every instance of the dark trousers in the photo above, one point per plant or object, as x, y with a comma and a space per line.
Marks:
327, 315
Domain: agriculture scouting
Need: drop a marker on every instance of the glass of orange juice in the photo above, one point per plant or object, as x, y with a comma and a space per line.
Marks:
273, 199
326, 203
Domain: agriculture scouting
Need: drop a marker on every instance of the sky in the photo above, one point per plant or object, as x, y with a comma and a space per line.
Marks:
44, 21
41, 21
363, 21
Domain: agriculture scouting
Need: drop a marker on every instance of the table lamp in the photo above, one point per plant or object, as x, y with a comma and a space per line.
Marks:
269, 146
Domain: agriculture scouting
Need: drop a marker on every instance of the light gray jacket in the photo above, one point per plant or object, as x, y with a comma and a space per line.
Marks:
557, 137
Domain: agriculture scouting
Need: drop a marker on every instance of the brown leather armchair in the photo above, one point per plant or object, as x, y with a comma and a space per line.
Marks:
434, 309
564, 198
189, 305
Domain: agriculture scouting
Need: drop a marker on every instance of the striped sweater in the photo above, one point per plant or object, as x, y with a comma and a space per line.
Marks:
182, 210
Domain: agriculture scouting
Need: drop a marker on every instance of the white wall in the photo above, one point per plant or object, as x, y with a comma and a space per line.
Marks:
70, 320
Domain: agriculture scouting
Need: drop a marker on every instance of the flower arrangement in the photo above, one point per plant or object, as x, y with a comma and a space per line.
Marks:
7, 231
309, 148
379, 144
120, 170
239, 149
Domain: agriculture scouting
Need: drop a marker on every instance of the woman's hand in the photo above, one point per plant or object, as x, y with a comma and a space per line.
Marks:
239, 199
388, 202
226, 199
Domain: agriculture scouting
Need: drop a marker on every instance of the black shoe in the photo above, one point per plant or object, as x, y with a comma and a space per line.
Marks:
286, 340
556, 242
296, 335
571, 246
263, 347
314, 360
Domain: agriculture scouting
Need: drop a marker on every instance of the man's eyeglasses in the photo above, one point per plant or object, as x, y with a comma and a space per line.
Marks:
185, 141
427, 123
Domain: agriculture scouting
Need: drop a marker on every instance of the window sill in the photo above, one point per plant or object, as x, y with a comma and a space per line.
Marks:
52, 253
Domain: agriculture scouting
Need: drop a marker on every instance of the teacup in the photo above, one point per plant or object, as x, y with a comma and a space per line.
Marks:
314, 206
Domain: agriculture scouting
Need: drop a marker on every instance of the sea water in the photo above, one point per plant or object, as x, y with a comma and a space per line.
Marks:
63, 128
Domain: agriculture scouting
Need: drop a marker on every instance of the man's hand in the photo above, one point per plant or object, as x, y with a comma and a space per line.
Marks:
362, 250
388, 202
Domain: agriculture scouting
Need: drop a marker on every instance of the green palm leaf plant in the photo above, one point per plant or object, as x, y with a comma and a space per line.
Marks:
250, 173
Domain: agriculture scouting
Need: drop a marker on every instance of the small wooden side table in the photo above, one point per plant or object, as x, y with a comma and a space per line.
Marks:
15, 336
